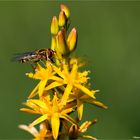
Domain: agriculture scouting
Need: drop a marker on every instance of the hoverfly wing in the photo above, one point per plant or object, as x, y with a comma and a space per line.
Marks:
24, 57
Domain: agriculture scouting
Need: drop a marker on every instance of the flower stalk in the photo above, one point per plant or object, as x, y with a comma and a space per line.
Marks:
62, 89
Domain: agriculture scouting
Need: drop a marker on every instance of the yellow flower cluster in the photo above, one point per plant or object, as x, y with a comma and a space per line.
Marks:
62, 88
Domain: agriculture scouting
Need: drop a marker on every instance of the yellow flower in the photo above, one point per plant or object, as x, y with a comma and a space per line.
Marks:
43, 132
70, 79
52, 111
80, 98
42, 74
74, 131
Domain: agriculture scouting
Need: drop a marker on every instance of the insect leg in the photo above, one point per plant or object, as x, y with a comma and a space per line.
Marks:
33, 65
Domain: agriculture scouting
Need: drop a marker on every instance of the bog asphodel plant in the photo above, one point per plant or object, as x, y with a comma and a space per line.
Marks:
63, 88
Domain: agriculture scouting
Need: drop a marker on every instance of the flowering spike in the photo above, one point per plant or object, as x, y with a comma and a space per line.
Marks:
65, 9
72, 40
54, 26
62, 19
62, 87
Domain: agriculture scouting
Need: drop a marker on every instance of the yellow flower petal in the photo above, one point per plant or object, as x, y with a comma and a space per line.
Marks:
41, 87
55, 123
55, 107
32, 105
83, 128
70, 99
39, 120
89, 137
85, 90
53, 85
80, 107
58, 71
34, 92
40, 103
31, 130
97, 103
28, 110
68, 118
66, 94
55, 78
66, 111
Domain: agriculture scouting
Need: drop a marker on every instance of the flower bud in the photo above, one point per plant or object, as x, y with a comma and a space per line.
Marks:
73, 131
72, 40
65, 9
61, 43
53, 43
99, 104
54, 26
62, 19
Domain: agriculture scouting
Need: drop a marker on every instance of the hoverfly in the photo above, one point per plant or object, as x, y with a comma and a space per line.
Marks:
36, 56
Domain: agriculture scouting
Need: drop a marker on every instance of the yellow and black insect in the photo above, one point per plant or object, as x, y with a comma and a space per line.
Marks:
35, 56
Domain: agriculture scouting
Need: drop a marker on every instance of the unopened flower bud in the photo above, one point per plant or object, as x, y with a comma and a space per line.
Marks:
73, 131
72, 40
54, 26
53, 43
62, 19
99, 104
65, 9
61, 43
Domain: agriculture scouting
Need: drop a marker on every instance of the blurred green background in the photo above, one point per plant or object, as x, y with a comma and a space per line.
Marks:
109, 38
